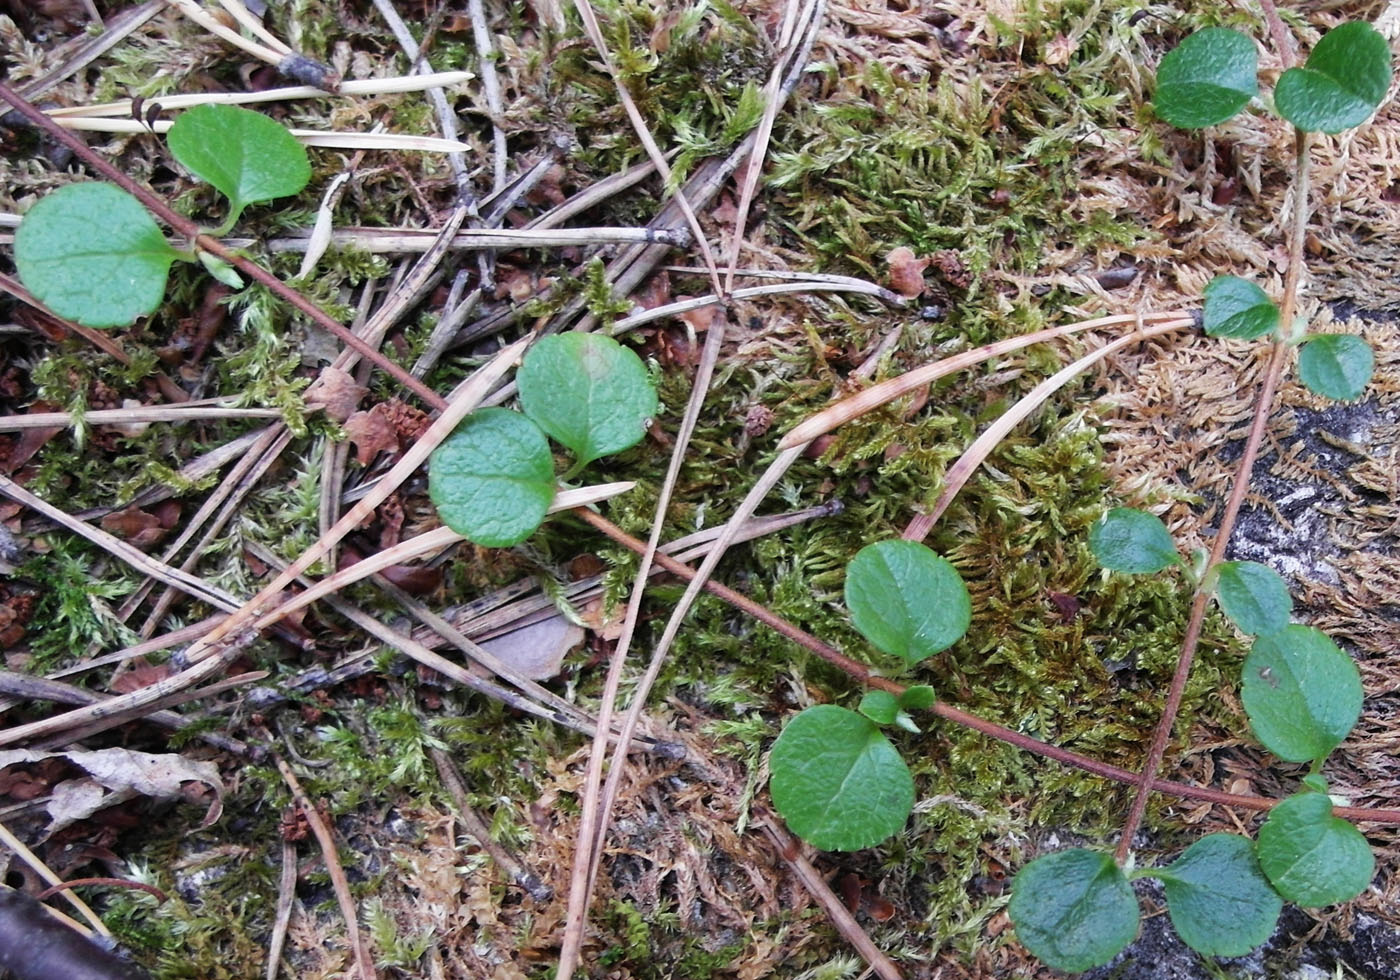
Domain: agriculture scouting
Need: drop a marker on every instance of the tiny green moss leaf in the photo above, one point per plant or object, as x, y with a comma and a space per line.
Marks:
1336, 365
1237, 308
1254, 596
1127, 540
1312, 857
244, 154
588, 392
1207, 78
91, 253
1302, 694
492, 480
906, 600
881, 707
1073, 909
1345, 78
221, 270
837, 781
1220, 902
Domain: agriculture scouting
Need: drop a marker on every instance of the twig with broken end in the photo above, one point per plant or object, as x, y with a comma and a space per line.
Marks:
791, 851
365, 86
364, 963
476, 827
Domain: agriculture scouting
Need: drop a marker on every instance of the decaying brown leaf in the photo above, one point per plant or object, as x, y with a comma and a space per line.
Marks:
372, 433
117, 775
906, 271
537, 650
336, 392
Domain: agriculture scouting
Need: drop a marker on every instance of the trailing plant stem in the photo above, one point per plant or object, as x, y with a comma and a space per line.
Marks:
1263, 407
864, 675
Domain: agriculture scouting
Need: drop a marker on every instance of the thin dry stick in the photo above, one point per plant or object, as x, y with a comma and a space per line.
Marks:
138, 560
111, 712
286, 895
207, 21
639, 125
77, 53
491, 88
364, 963
164, 642
407, 240
887, 391
568, 716
466, 398
28, 688
130, 416
1263, 407
74, 734
848, 285
36, 865
254, 26
235, 481
482, 656
476, 827
976, 454
117, 710
815, 883
593, 820
861, 673
367, 86
435, 540
795, 24
593, 195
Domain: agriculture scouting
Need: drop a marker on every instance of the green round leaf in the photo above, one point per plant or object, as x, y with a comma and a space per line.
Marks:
1345, 78
1127, 540
492, 480
1336, 365
1254, 596
588, 392
243, 153
91, 253
1312, 857
918, 697
879, 706
906, 600
1301, 693
837, 781
1073, 909
1220, 902
1207, 78
1237, 308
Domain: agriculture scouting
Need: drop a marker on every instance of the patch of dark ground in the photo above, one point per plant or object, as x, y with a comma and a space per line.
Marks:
1372, 952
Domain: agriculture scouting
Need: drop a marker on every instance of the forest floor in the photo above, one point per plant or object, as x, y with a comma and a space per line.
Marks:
975, 172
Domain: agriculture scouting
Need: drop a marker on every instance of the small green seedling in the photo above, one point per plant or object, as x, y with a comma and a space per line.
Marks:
1344, 80
837, 780
91, 253
492, 480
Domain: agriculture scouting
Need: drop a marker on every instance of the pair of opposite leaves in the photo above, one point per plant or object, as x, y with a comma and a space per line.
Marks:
1213, 74
91, 253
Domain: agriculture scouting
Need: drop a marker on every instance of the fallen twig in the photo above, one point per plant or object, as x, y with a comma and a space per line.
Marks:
364, 962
